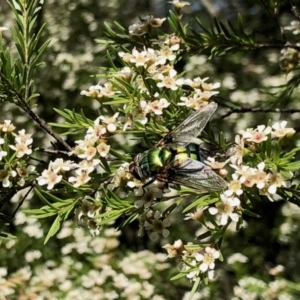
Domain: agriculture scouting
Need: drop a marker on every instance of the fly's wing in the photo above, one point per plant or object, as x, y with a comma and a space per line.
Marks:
196, 175
190, 128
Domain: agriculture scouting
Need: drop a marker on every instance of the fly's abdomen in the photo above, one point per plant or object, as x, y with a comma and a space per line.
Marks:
151, 162
194, 152
190, 151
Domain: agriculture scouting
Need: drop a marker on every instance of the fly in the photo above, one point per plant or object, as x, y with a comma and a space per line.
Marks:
177, 157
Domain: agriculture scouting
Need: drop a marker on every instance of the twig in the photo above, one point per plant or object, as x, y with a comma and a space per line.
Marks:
38, 160
22, 201
56, 151
23, 104
253, 110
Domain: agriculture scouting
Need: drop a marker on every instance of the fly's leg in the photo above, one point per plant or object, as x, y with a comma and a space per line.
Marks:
146, 184
160, 187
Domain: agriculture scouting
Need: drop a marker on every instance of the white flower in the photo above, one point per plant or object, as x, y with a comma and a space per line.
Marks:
110, 122
179, 4
86, 149
207, 259
2, 154
276, 180
193, 274
157, 225
294, 27
50, 178
238, 151
60, 164
21, 149
210, 86
166, 53
81, 178
23, 138
194, 102
157, 106
107, 90
261, 177
246, 174
139, 114
125, 74
156, 22
93, 92
234, 186
211, 161
226, 209
256, 135
204, 95
103, 149
88, 165
168, 81
147, 194
136, 29
5, 175
98, 91
140, 59
281, 131
7, 126
122, 174
96, 131
175, 249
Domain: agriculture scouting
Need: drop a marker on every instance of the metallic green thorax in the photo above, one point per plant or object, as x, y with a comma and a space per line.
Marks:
154, 161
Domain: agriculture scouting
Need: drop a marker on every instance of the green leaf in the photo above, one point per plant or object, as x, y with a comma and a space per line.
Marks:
201, 202
178, 276
291, 154
204, 235
202, 26
109, 32
105, 165
195, 288
232, 28
293, 166
111, 60
41, 215
54, 229
175, 24
44, 200
74, 121
120, 27
250, 213
54, 198
6, 236
116, 101
120, 156
217, 26
33, 96
130, 219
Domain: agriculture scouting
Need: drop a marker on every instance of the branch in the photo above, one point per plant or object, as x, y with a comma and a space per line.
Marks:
23, 104
22, 201
56, 151
12, 191
253, 110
